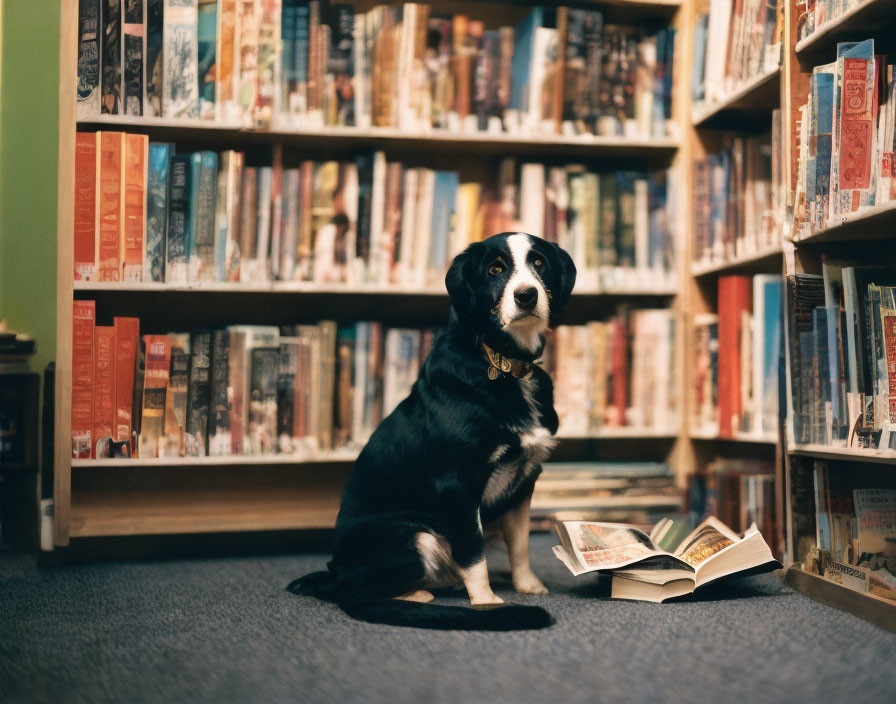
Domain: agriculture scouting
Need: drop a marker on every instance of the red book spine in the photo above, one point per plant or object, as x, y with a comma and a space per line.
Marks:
134, 199
855, 127
85, 207
104, 383
127, 336
109, 219
83, 320
735, 297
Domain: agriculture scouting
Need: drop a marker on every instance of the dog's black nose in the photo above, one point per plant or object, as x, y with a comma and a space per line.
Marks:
526, 298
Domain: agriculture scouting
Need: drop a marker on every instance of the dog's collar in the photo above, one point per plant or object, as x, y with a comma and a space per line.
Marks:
498, 365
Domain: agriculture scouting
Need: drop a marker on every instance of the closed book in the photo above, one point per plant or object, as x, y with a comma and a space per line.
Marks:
104, 385
158, 160
84, 250
207, 268
287, 367
134, 51
111, 57
226, 252
176, 396
89, 34
226, 61
180, 60
263, 347
327, 333
246, 68
153, 74
127, 339
155, 388
248, 220
177, 238
206, 37
345, 386
109, 210
83, 321
198, 394
134, 198
269, 48
735, 297
194, 169
219, 404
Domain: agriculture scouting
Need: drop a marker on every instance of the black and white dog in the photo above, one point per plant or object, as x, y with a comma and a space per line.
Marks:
462, 450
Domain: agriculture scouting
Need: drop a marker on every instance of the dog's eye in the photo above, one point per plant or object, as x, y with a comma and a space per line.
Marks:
495, 269
538, 263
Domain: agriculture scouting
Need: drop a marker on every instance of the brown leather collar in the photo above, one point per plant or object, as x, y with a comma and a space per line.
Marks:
498, 365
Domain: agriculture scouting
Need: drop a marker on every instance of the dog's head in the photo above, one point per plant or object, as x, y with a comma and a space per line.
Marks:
509, 288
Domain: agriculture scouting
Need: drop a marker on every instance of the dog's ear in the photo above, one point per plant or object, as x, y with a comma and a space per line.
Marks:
461, 278
564, 281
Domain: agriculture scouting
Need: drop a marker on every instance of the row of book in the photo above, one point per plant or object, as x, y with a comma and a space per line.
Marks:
146, 212
851, 538
739, 492
842, 346
737, 353
638, 493
300, 63
616, 373
847, 132
819, 12
738, 202
734, 42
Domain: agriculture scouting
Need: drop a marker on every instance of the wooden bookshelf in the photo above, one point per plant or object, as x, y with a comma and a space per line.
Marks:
751, 438
120, 497
760, 261
864, 237
753, 100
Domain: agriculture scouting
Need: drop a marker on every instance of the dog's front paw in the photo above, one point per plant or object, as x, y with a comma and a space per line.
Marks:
527, 583
485, 600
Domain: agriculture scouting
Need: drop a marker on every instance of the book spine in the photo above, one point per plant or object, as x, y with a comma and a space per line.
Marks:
286, 390
88, 59
134, 51
109, 211
734, 298
199, 393
206, 244
158, 159
155, 387
268, 62
327, 382
84, 250
83, 322
219, 401
194, 167
134, 211
225, 56
152, 99
179, 173
247, 51
111, 57
104, 387
176, 397
233, 209
127, 338
180, 62
207, 56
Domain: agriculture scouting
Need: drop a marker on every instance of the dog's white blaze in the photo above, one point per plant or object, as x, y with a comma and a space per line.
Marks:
525, 332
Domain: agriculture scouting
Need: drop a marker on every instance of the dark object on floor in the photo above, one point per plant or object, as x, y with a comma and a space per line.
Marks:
225, 630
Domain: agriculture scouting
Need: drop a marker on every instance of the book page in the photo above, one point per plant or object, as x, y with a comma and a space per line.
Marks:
604, 546
706, 540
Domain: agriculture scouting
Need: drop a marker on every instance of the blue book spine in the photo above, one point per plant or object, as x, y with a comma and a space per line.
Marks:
443, 217
207, 27
288, 16
300, 56
523, 47
157, 209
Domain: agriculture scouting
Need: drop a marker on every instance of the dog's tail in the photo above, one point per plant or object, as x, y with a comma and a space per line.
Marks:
395, 612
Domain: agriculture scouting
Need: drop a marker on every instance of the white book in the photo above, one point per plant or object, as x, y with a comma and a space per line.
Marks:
720, 12
180, 59
408, 225
423, 233
532, 199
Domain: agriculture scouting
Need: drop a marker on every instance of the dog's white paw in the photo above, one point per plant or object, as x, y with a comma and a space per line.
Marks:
421, 596
528, 583
486, 599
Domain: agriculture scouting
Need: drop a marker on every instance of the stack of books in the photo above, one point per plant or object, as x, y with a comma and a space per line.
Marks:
737, 353
733, 44
739, 491
300, 64
842, 345
638, 493
244, 390
146, 212
846, 139
616, 373
737, 200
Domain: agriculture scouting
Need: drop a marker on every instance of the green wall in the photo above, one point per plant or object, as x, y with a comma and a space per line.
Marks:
29, 128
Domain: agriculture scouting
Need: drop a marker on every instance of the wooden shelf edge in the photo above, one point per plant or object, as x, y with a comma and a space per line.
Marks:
710, 111
853, 223
869, 607
88, 525
701, 269
844, 453
842, 23
739, 437
347, 455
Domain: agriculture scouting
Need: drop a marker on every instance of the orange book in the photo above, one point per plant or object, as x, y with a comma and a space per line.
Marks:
103, 383
83, 319
85, 207
133, 231
109, 216
127, 335
224, 61
735, 298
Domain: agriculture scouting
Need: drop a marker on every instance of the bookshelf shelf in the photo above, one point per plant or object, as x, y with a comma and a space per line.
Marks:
860, 21
737, 437
880, 611
758, 97
756, 261
660, 148
844, 453
875, 223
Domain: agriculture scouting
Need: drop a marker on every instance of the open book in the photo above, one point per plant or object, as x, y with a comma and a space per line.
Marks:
643, 571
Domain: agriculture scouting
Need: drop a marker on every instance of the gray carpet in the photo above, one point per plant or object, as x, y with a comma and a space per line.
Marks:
225, 630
